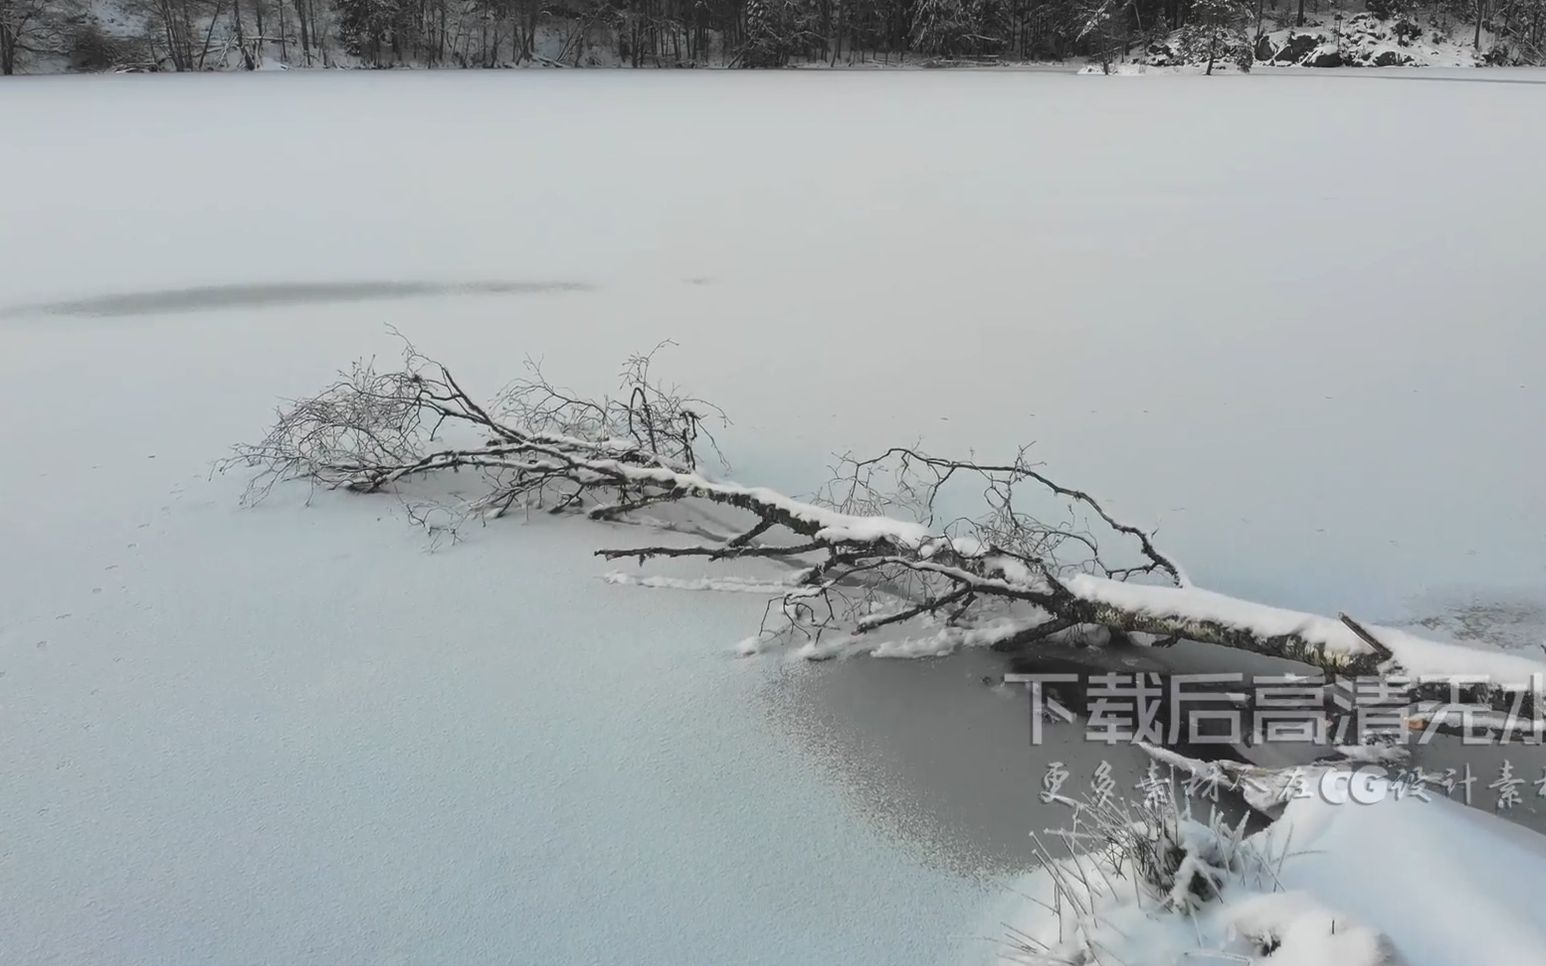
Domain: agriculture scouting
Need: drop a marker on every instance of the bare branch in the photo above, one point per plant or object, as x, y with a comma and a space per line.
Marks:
1037, 558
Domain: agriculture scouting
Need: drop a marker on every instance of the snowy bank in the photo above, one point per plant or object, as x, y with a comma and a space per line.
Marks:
1420, 883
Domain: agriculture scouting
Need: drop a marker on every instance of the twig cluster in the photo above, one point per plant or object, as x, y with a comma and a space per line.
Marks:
535, 444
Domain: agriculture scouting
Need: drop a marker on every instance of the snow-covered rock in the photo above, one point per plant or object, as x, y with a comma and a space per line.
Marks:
1364, 40
1331, 40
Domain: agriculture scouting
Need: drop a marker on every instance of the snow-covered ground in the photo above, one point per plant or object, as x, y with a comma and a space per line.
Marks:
1295, 322
1397, 882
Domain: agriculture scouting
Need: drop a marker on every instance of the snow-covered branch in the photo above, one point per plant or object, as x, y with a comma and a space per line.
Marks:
868, 553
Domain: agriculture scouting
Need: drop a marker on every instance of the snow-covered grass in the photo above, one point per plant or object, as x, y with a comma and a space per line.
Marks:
1399, 881
1300, 335
1149, 883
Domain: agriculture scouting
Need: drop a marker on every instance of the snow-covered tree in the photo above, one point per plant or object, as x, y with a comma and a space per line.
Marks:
776, 30
368, 28
1100, 25
1212, 34
953, 28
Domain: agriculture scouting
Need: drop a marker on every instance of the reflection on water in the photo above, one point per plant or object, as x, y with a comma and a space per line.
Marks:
209, 297
1511, 620
1481, 774
935, 752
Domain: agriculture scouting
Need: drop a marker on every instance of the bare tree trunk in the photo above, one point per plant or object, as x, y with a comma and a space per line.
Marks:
188, 32
300, 15
440, 49
7, 50
177, 47
529, 51
318, 37
173, 49
837, 33
241, 40
204, 51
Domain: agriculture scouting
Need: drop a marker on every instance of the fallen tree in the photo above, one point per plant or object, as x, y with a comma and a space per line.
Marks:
868, 552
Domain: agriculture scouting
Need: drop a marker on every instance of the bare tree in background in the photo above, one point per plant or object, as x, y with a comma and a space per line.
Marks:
31, 26
174, 26
248, 56
199, 34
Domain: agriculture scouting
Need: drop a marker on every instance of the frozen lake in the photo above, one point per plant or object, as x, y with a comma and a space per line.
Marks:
1293, 320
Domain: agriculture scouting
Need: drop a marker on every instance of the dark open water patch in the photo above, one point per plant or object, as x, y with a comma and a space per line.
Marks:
215, 297
937, 754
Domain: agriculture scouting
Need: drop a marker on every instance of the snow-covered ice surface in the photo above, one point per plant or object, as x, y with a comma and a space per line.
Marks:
407, 761
1279, 316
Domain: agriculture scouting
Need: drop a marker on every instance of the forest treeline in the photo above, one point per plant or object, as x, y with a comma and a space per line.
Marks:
185, 35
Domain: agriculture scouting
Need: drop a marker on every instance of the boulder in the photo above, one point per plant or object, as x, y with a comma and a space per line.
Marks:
1295, 50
